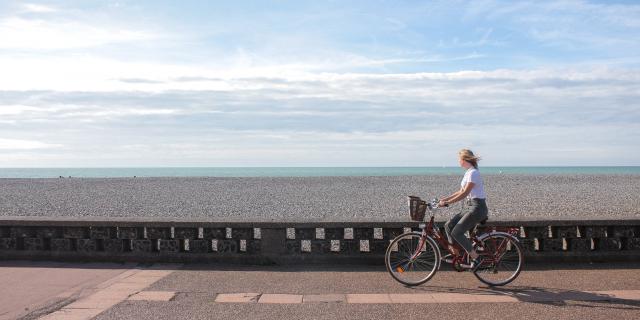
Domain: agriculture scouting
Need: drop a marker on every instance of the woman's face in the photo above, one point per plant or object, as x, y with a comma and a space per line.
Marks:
463, 163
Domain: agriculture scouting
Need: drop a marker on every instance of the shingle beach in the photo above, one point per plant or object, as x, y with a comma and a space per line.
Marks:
316, 198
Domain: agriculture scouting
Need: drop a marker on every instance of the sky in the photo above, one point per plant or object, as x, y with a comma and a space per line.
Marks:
318, 83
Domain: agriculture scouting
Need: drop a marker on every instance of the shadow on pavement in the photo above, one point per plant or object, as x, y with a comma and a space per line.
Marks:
540, 295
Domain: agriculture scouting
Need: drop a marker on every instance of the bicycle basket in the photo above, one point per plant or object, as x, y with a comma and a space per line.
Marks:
417, 208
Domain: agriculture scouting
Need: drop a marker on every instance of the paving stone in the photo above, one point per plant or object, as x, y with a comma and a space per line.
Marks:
368, 298
94, 303
153, 295
411, 298
620, 294
237, 297
324, 298
464, 297
73, 314
280, 298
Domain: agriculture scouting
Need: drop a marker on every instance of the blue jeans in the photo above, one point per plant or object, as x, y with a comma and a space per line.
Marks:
473, 211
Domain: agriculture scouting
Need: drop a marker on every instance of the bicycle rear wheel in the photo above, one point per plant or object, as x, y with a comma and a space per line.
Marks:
411, 262
503, 259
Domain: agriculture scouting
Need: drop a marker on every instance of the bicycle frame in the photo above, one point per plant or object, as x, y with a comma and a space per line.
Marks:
499, 248
429, 230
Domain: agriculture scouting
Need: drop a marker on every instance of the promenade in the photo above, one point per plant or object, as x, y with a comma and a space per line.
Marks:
54, 290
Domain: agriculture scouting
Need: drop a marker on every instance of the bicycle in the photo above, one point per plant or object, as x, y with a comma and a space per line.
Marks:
413, 258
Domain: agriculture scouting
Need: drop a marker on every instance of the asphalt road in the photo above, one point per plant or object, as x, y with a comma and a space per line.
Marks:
196, 287
108, 291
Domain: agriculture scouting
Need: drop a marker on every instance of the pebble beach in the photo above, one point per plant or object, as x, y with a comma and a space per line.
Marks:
309, 199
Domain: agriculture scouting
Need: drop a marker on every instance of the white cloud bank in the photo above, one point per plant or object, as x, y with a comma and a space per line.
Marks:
82, 88
16, 144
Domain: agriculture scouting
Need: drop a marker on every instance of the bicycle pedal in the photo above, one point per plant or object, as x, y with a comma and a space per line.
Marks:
447, 259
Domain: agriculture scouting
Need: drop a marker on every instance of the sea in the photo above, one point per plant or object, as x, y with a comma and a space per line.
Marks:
298, 171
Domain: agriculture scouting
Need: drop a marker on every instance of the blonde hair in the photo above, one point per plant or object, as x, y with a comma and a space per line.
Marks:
468, 156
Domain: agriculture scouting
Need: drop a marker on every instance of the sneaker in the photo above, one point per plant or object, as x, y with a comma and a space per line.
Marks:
475, 264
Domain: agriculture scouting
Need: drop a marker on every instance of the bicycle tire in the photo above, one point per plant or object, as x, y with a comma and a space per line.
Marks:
504, 259
407, 271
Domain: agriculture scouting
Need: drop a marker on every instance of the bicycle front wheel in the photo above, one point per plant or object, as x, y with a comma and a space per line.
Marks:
503, 259
411, 260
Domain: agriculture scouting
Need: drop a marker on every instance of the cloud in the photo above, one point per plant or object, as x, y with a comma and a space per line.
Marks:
16, 144
38, 8
301, 117
21, 33
521, 81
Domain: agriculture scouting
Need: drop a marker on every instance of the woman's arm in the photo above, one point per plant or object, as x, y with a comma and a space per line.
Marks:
451, 196
459, 195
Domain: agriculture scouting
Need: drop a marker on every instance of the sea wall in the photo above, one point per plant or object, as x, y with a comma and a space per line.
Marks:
287, 243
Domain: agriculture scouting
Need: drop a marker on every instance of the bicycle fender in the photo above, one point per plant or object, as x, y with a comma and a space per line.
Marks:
435, 245
485, 235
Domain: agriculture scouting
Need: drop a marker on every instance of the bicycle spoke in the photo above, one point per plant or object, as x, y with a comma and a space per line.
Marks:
415, 260
505, 260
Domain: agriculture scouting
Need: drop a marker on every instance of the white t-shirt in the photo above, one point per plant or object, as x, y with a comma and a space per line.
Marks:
473, 175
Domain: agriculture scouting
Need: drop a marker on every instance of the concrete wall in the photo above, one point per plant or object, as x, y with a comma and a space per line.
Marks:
283, 243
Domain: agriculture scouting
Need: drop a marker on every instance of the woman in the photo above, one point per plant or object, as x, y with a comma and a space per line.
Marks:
475, 208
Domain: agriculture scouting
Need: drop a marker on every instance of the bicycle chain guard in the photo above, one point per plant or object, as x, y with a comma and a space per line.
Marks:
457, 264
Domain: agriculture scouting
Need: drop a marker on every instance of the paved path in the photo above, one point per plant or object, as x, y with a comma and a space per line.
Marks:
595, 291
30, 289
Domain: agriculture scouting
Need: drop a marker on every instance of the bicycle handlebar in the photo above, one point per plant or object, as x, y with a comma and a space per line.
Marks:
434, 204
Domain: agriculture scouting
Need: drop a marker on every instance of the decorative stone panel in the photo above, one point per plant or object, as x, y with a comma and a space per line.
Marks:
102, 232
128, 233
61, 244
113, 245
75, 232
22, 232
87, 245
158, 233
48, 232
33, 244
140, 246
186, 233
